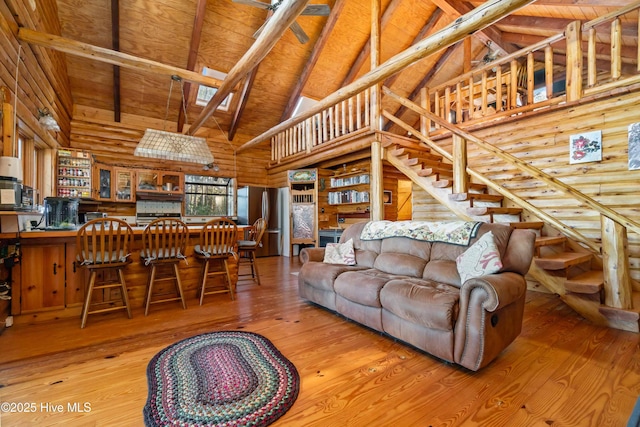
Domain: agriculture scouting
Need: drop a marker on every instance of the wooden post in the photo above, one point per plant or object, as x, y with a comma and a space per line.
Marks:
616, 48
7, 129
615, 264
7, 126
574, 61
548, 70
377, 204
460, 177
424, 129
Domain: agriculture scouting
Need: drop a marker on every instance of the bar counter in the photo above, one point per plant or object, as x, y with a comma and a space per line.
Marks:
48, 283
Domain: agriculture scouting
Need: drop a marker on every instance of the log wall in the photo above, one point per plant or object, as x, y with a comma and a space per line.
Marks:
41, 73
114, 143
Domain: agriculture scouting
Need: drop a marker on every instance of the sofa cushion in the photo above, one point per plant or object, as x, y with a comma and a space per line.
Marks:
400, 264
430, 304
322, 276
340, 253
442, 271
480, 259
362, 287
501, 235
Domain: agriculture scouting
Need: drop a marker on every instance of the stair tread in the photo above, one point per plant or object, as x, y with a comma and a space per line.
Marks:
561, 260
434, 171
486, 210
444, 183
549, 240
536, 225
411, 161
589, 282
476, 196
420, 153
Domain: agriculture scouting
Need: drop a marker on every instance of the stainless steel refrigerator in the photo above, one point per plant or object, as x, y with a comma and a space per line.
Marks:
261, 202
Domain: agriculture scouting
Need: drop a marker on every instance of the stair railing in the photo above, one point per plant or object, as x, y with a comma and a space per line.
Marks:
614, 225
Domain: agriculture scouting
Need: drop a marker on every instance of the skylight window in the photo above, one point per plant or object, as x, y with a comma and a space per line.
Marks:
205, 93
303, 105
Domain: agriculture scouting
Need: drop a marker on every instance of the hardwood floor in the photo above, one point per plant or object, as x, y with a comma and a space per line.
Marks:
560, 371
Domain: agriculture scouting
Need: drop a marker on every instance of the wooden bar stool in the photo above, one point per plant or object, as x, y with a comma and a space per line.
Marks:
104, 244
218, 243
247, 248
164, 243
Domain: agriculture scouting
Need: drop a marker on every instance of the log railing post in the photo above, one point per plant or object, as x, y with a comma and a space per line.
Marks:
460, 177
574, 61
615, 265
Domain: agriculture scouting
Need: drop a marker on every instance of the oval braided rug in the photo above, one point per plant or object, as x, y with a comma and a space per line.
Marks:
227, 378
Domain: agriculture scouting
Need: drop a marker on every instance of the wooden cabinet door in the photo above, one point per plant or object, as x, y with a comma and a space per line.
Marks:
42, 274
76, 278
103, 183
124, 183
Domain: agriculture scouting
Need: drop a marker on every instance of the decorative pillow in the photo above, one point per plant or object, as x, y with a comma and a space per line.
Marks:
481, 258
340, 253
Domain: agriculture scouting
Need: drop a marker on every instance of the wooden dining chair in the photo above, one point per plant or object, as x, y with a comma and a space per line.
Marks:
164, 243
104, 244
247, 248
217, 243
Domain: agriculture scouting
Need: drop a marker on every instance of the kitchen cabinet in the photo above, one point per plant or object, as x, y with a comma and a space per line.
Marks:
124, 180
50, 278
159, 182
42, 278
103, 178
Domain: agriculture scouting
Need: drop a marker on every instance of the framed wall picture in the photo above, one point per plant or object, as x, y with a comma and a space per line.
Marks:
634, 146
585, 147
387, 197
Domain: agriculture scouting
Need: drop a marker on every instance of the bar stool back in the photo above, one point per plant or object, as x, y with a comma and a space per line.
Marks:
247, 248
217, 243
104, 244
164, 243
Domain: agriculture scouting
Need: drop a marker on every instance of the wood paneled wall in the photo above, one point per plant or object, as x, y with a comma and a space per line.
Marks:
114, 143
543, 141
41, 73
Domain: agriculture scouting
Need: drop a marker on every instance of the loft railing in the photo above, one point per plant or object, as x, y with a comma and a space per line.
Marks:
341, 120
527, 80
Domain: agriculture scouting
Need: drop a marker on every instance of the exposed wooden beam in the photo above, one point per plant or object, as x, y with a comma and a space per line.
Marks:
244, 97
554, 24
86, 50
313, 59
456, 9
482, 16
115, 45
366, 49
194, 46
284, 16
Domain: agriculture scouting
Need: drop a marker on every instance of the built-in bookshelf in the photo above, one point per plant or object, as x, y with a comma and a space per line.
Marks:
354, 188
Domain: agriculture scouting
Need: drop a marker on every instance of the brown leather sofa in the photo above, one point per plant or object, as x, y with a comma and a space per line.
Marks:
411, 290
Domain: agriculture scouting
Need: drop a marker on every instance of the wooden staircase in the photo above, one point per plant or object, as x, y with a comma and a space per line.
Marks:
569, 271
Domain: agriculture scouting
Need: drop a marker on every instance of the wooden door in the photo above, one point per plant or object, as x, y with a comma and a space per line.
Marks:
103, 183
42, 277
124, 185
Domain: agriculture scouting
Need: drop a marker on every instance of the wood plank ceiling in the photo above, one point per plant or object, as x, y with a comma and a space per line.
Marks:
190, 34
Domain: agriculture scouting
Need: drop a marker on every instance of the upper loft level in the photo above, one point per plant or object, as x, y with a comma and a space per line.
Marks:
588, 60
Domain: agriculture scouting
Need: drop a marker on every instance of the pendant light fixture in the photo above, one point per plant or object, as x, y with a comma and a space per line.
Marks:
160, 144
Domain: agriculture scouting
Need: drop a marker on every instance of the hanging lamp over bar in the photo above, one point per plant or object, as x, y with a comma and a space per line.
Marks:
160, 144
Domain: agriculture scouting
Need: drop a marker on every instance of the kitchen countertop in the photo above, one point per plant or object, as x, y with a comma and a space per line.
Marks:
137, 230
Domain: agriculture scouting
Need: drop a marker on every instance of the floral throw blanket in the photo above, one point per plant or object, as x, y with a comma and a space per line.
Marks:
454, 232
